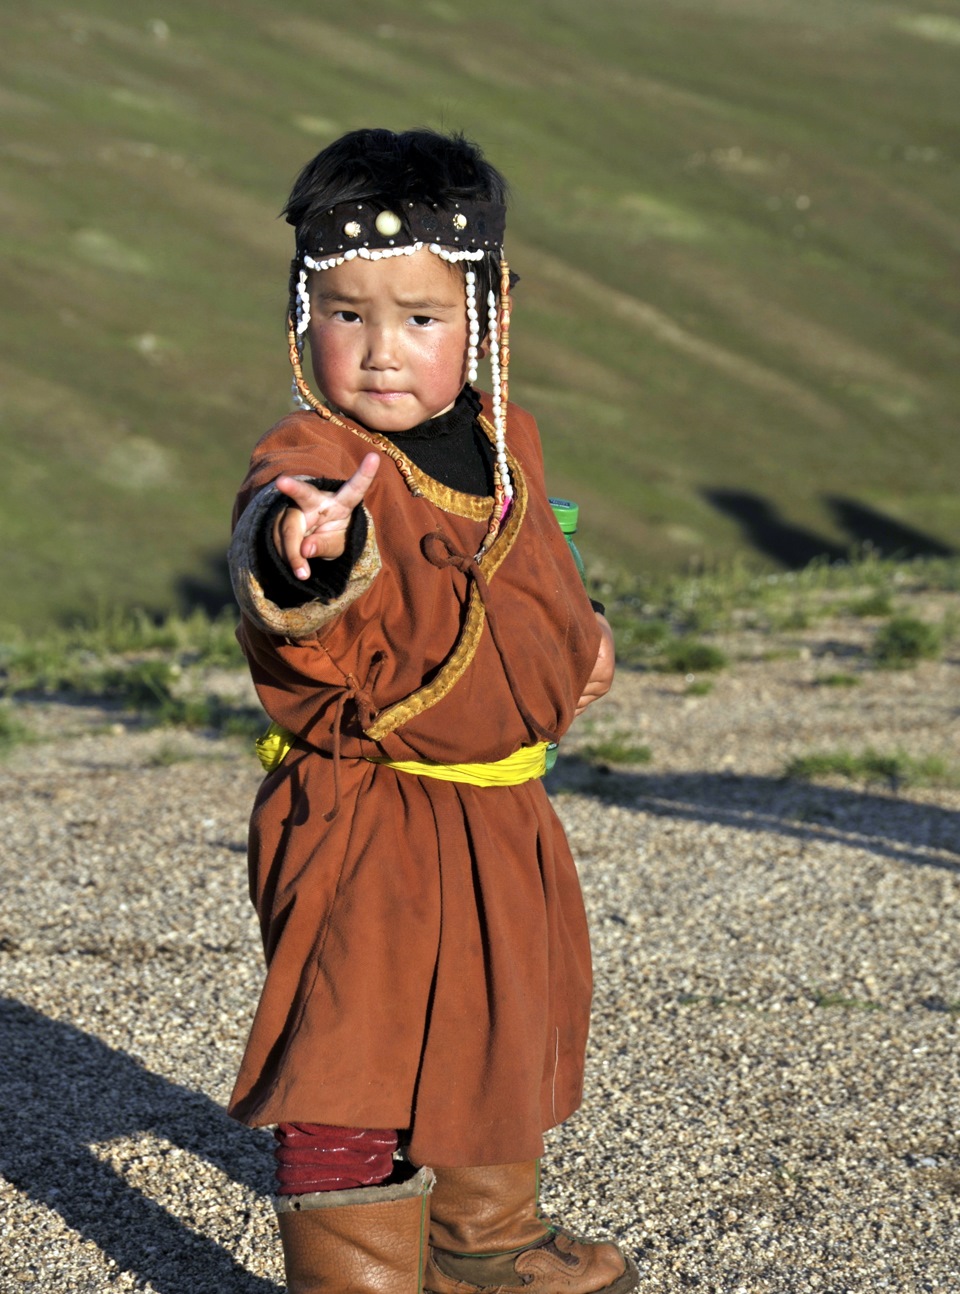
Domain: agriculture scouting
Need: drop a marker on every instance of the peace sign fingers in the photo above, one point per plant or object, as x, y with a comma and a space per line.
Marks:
351, 492
316, 523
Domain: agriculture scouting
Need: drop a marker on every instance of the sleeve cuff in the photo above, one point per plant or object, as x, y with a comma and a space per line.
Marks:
251, 581
328, 576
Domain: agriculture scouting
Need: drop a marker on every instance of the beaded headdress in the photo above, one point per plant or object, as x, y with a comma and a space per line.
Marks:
465, 231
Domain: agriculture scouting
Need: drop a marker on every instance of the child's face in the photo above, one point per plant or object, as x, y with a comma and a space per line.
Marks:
388, 338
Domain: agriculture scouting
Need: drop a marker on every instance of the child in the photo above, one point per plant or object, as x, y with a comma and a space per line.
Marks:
417, 630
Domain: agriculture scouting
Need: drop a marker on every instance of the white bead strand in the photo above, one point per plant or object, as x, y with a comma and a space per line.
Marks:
303, 303
473, 327
302, 322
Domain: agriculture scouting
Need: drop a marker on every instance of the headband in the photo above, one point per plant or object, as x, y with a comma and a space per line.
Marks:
470, 225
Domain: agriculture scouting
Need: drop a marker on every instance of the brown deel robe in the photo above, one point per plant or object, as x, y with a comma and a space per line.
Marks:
428, 964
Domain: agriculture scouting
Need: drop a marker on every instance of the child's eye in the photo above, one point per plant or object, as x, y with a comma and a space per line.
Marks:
347, 316
422, 321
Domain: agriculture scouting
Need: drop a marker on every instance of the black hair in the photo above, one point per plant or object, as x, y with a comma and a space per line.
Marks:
387, 169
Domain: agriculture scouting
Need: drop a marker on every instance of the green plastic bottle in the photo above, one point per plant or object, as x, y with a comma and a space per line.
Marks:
567, 514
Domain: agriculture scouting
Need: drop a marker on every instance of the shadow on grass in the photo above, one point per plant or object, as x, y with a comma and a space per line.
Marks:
886, 536
920, 834
209, 590
63, 1091
765, 528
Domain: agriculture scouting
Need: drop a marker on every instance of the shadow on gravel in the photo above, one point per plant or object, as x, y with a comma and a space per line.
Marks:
63, 1091
922, 834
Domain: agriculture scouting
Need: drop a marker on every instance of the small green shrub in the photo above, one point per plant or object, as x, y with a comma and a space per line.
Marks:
144, 685
904, 640
647, 633
796, 618
877, 603
701, 618
826, 1000
169, 754
950, 626
896, 768
636, 638
617, 748
241, 721
838, 680
699, 687
691, 656
12, 732
209, 712
40, 667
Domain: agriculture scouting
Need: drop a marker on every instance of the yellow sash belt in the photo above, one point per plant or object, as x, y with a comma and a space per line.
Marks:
272, 747
523, 765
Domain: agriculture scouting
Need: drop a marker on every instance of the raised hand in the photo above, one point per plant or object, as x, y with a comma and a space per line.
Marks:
316, 521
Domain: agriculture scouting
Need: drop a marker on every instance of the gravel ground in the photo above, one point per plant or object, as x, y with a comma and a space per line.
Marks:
772, 1099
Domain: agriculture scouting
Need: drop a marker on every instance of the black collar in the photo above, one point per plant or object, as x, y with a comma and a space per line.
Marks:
457, 420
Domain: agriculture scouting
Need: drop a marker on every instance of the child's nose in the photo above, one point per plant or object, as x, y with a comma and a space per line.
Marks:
382, 350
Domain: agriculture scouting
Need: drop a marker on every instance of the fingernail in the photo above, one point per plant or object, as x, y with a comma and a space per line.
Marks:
302, 572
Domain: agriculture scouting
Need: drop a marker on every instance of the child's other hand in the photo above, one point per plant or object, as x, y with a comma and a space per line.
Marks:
316, 523
599, 682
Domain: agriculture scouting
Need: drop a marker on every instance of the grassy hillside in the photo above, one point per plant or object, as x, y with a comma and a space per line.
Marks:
736, 223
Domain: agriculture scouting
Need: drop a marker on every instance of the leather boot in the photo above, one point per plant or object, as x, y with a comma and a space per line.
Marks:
486, 1232
371, 1240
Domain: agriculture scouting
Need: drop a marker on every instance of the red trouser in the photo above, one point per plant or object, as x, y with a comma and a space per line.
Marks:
318, 1157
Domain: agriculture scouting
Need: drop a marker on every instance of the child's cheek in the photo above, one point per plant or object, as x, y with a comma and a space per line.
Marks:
329, 363
442, 358
327, 345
